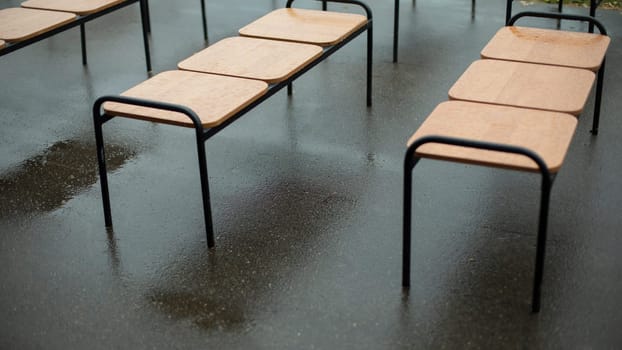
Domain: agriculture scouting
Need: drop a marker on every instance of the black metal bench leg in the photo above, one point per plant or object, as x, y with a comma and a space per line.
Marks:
83, 42
324, 5
144, 18
204, 19
148, 16
593, 5
370, 47
396, 26
409, 164
597, 100
547, 183
101, 161
207, 211
290, 89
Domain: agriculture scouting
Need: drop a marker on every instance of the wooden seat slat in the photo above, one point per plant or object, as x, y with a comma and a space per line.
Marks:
322, 28
18, 24
214, 98
546, 133
518, 84
268, 60
82, 7
547, 46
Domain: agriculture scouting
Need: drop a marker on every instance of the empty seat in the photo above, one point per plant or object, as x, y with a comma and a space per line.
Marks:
268, 60
546, 133
18, 24
547, 46
322, 28
214, 98
525, 85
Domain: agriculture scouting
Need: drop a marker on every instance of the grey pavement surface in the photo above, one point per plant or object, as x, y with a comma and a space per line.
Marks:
306, 195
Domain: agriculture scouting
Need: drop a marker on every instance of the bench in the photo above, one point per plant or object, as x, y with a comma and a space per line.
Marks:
515, 110
218, 85
40, 19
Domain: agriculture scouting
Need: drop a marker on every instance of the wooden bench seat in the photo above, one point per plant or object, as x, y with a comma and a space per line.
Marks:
81, 7
548, 134
330, 30
19, 24
322, 28
548, 46
525, 85
554, 47
214, 98
268, 60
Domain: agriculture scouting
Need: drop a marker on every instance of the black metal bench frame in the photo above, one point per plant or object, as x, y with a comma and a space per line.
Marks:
82, 20
593, 6
411, 160
203, 134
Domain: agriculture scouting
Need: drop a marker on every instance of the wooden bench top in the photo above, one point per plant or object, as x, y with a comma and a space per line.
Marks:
80, 7
538, 86
268, 60
547, 46
214, 98
548, 134
322, 28
18, 24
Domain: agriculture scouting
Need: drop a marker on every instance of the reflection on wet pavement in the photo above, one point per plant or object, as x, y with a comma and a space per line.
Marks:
46, 181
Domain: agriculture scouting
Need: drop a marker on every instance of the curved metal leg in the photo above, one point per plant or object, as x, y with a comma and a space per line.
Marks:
409, 164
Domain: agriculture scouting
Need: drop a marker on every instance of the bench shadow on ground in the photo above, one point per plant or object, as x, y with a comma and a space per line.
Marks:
266, 238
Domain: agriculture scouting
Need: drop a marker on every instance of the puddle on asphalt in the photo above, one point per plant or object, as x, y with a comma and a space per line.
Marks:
47, 180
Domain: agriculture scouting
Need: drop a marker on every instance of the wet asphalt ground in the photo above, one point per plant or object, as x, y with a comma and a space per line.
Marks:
306, 196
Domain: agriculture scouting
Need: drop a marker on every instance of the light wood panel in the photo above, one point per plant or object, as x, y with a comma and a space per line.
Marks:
547, 46
527, 85
268, 60
80, 7
548, 134
322, 28
18, 24
214, 98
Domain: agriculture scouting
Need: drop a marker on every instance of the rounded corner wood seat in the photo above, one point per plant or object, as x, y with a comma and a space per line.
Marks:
214, 98
80, 7
548, 46
18, 24
269, 60
526, 85
322, 28
546, 133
